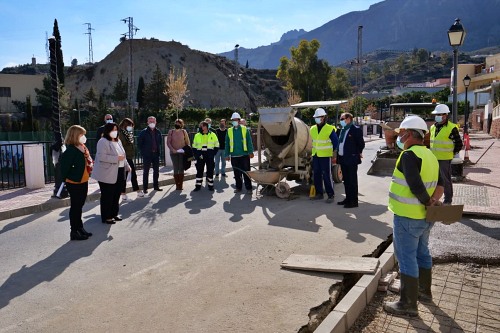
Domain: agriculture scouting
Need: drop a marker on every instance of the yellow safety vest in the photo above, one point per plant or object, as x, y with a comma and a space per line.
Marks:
441, 145
231, 138
322, 146
402, 201
205, 142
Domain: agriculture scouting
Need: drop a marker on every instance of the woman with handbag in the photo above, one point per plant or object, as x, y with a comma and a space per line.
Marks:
177, 140
109, 170
76, 167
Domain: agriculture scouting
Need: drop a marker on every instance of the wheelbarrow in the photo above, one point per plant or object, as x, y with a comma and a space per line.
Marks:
268, 178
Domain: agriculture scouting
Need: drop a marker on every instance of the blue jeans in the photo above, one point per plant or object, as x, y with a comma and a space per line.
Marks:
322, 174
411, 244
220, 157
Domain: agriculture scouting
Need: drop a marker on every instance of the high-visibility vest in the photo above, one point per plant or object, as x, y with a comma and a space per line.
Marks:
322, 146
231, 138
402, 201
441, 145
205, 142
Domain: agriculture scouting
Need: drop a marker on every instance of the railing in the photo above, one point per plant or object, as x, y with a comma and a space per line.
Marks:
12, 168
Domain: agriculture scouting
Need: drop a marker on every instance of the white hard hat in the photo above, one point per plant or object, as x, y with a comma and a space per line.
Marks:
441, 108
235, 115
414, 123
319, 113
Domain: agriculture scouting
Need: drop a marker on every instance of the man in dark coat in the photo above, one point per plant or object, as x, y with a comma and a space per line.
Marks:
150, 143
349, 155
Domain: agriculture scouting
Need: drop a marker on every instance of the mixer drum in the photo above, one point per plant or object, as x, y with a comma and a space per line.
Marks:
281, 148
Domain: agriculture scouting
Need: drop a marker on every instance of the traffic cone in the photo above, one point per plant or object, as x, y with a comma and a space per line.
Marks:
312, 191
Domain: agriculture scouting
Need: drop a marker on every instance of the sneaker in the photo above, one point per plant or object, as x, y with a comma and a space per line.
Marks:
124, 197
140, 194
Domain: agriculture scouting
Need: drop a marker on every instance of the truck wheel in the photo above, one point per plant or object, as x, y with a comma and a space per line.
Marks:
337, 173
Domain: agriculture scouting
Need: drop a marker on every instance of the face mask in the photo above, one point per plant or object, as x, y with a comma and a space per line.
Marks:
438, 119
152, 125
400, 144
209, 125
82, 139
235, 123
177, 126
130, 128
113, 134
317, 120
109, 121
342, 123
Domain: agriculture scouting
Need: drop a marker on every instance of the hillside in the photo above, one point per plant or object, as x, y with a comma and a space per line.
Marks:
390, 25
211, 79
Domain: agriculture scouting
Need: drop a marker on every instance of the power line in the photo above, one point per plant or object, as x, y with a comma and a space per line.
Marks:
91, 51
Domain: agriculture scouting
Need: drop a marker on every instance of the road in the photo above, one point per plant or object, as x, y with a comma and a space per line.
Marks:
184, 262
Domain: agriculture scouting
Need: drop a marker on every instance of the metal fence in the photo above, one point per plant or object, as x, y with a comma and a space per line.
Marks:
12, 167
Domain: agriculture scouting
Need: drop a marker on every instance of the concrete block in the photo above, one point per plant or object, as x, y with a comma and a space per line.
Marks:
390, 249
353, 304
335, 322
370, 283
387, 262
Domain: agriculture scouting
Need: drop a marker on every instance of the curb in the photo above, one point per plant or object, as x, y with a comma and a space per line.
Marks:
345, 313
54, 203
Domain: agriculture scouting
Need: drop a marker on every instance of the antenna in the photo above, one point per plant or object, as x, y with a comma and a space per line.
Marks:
91, 51
132, 30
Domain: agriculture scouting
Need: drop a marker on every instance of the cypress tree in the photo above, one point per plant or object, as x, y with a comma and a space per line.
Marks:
59, 53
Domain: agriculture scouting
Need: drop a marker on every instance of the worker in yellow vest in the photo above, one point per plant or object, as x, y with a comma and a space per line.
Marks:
239, 150
445, 143
205, 146
324, 141
416, 184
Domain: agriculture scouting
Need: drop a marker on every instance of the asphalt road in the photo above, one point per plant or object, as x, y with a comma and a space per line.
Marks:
184, 262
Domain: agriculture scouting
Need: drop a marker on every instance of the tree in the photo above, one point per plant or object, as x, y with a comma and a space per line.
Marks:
120, 90
44, 98
140, 92
154, 98
59, 53
303, 72
176, 89
339, 84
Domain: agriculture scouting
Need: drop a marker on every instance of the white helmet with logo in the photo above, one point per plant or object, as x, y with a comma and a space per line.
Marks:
414, 123
235, 115
319, 113
441, 109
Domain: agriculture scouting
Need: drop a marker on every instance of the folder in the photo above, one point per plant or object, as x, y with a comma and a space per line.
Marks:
446, 214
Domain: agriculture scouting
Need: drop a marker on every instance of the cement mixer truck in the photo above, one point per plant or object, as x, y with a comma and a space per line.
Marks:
286, 145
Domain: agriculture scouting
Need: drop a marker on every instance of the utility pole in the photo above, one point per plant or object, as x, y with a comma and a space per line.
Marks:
91, 51
132, 30
236, 61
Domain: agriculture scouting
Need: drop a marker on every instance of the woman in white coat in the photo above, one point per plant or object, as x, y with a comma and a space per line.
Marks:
109, 170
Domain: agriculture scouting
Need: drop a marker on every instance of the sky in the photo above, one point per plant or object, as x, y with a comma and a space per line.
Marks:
213, 26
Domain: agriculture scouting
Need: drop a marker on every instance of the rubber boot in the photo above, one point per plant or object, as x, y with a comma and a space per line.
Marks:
424, 284
407, 304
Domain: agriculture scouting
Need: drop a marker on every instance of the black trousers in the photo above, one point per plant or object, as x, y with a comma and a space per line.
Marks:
209, 162
350, 177
153, 160
77, 196
133, 177
240, 164
110, 196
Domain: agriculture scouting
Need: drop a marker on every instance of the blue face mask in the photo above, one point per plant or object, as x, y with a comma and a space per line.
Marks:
235, 123
438, 119
209, 125
342, 123
317, 120
400, 144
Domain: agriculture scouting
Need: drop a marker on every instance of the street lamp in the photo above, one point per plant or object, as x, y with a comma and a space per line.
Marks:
456, 36
466, 81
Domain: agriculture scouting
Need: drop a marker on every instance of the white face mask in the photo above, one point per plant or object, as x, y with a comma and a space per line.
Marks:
82, 139
152, 125
235, 123
317, 120
113, 134
109, 121
130, 128
438, 119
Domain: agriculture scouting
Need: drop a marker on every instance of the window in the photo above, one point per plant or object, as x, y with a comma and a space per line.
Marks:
5, 92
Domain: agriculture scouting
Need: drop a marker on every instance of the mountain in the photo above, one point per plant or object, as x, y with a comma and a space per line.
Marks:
389, 25
211, 78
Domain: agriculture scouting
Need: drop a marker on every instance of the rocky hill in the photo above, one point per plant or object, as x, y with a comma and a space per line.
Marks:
213, 81
390, 25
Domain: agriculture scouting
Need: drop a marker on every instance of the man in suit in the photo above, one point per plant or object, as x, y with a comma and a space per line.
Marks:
150, 142
350, 153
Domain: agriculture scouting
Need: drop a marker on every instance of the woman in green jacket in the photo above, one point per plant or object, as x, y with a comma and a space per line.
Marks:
76, 167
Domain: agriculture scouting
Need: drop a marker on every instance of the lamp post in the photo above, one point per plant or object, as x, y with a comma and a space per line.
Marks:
456, 36
466, 81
